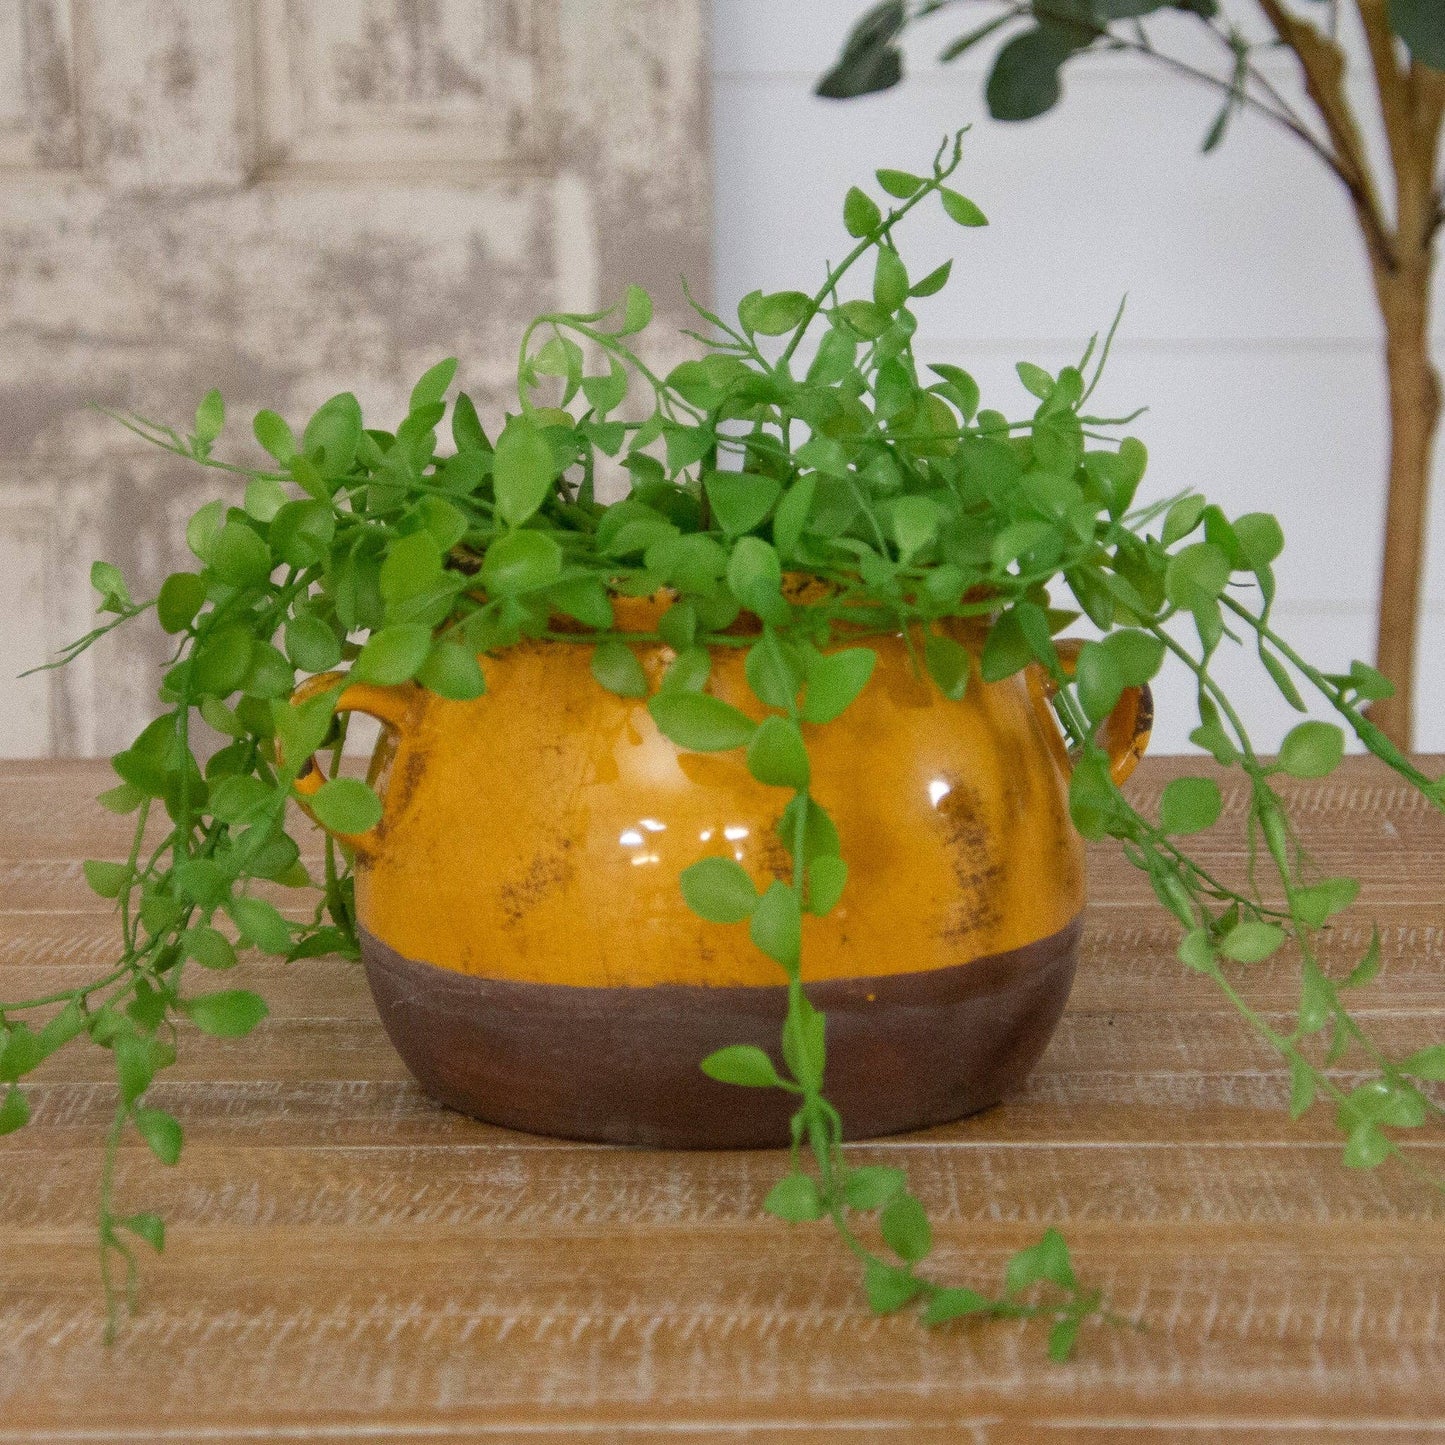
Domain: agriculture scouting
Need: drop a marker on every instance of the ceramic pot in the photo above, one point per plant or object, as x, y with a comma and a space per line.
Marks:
533, 961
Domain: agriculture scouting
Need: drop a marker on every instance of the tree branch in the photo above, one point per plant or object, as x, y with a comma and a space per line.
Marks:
1283, 116
1322, 64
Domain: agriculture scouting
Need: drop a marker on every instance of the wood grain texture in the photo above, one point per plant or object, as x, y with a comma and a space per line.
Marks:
348, 1261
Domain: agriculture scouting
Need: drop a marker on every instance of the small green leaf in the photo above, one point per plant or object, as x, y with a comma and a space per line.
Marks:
1006, 650
795, 1199
239, 557
301, 532
890, 280
433, 384
961, 209
604, 393
265, 496
615, 666
161, 1132
932, 283
906, 1229
1426, 1064
19, 1053
1062, 1337
1312, 750
1093, 800
791, 517
636, 311
754, 575
740, 500
1048, 1260
209, 947
311, 644
899, 183
914, 522
107, 880
523, 469
135, 1065
689, 671
260, 923
948, 664
210, 418
866, 318
394, 654
699, 722
860, 212
275, 436
960, 387
888, 1288
776, 314
1367, 967
1137, 655
330, 440
1189, 805
873, 1186
122, 799
1366, 1148
778, 756
1097, 681
182, 595
742, 1064
1182, 518
1196, 949
772, 672
952, 1304
14, 1111
1321, 901
346, 806
719, 890
827, 877
227, 1014
835, 681
521, 562
412, 567
1252, 942
1196, 575
777, 926
149, 1227
1024, 81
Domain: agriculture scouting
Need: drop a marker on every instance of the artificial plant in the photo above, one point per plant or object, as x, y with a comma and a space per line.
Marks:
1405, 40
846, 463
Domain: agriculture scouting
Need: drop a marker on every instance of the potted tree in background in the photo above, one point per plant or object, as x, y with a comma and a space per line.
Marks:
1405, 40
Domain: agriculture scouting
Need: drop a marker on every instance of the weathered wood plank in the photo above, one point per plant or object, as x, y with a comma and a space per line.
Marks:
678, 1323
349, 1261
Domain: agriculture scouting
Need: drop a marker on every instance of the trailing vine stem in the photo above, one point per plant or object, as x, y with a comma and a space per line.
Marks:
907, 510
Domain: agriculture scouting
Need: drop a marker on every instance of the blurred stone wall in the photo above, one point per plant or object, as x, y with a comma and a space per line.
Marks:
287, 199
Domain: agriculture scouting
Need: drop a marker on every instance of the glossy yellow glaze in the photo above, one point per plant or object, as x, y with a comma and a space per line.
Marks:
537, 832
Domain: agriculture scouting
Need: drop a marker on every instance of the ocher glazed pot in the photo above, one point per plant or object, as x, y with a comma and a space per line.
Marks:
535, 965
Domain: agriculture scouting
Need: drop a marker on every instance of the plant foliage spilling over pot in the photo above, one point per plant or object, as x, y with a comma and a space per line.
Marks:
880, 480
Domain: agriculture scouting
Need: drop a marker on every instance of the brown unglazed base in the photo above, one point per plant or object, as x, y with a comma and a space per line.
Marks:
621, 1064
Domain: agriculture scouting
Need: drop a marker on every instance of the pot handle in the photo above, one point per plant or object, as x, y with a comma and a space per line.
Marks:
1124, 733
394, 707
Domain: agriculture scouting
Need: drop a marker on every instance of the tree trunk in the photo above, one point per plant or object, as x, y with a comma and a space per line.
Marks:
1414, 386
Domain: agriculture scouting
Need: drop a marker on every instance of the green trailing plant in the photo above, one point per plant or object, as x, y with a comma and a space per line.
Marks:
855, 466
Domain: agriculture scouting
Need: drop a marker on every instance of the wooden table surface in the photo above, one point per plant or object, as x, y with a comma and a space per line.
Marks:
347, 1260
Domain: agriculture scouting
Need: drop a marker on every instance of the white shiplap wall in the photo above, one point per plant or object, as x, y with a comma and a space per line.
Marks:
1250, 330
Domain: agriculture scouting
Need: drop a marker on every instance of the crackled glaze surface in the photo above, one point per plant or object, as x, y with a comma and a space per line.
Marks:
537, 833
